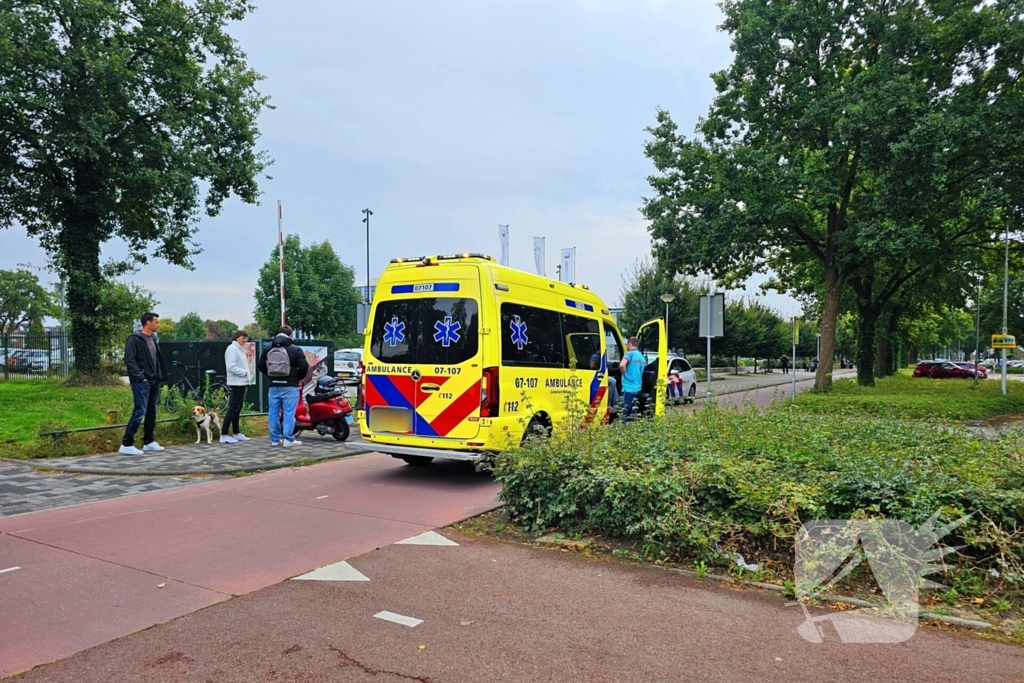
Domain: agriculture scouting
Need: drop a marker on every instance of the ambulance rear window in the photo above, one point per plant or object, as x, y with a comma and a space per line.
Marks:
426, 331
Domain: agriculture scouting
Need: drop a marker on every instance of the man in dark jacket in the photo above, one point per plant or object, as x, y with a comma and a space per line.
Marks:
284, 371
145, 372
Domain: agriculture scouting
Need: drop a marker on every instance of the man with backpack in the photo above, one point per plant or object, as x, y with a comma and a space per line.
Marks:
285, 365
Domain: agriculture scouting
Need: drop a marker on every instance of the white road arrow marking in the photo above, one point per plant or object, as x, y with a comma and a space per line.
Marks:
340, 571
428, 538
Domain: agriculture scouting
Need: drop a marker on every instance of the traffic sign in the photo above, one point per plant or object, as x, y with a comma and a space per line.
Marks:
1003, 341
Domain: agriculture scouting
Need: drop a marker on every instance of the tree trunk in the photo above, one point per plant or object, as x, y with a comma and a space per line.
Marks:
881, 355
80, 243
886, 351
829, 316
867, 323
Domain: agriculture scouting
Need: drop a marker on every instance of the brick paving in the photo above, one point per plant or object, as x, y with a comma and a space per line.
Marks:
23, 489
216, 458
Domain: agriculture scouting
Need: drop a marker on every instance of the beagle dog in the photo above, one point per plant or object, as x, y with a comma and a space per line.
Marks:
204, 420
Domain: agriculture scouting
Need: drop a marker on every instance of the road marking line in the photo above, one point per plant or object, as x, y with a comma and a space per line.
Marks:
322, 497
340, 571
9, 569
427, 538
399, 619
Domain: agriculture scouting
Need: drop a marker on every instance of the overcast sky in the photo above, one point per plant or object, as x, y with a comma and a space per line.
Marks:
446, 118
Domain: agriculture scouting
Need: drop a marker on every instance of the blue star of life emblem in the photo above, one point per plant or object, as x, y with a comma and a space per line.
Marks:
394, 332
447, 331
519, 337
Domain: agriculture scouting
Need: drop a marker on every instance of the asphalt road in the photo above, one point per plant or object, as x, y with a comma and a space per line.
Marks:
493, 611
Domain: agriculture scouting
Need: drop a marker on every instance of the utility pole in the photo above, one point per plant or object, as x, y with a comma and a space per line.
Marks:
367, 213
1006, 289
977, 335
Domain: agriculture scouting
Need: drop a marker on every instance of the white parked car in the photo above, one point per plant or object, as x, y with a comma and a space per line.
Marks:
682, 380
347, 365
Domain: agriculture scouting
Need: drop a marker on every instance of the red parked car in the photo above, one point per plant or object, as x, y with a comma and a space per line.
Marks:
967, 365
943, 370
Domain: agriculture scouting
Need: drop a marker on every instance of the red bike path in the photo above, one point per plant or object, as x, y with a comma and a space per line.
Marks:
80, 576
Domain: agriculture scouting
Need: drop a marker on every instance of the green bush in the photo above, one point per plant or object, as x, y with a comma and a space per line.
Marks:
747, 480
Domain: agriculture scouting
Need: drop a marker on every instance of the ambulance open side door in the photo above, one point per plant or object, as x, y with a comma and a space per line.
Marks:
654, 347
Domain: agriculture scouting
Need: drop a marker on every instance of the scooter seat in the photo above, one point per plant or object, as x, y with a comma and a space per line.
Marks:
319, 398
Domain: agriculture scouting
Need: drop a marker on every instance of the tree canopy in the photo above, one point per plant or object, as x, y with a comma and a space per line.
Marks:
115, 117
843, 134
190, 327
22, 299
320, 293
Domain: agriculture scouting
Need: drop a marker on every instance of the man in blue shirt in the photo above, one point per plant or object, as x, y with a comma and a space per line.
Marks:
632, 368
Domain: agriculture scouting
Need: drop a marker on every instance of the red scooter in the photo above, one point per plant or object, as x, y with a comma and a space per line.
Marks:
328, 411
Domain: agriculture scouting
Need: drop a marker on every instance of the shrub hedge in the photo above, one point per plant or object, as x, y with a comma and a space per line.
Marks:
747, 480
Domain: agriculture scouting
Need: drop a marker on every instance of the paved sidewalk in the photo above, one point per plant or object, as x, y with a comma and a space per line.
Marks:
730, 384
216, 458
24, 490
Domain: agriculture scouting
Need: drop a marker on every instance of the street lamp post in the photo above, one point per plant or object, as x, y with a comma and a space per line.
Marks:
667, 298
367, 213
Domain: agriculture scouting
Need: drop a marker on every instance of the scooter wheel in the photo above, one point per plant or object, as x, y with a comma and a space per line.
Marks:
341, 430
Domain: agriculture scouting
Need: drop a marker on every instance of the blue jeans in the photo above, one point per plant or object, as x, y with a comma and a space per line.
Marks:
282, 399
629, 402
145, 395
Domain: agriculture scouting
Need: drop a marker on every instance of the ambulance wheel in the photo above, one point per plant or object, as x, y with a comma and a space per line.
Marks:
692, 396
537, 429
416, 460
341, 430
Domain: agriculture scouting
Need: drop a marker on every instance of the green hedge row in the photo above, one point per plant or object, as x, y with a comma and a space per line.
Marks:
748, 479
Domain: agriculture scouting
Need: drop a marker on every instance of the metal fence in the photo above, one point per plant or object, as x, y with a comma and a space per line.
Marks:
36, 356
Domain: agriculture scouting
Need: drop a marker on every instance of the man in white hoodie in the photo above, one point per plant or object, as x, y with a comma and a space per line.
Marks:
237, 363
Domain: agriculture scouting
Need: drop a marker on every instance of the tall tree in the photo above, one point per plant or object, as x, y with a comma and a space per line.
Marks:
190, 327
641, 295
112, 114
320, 293
835, 123
22, 299
121, 305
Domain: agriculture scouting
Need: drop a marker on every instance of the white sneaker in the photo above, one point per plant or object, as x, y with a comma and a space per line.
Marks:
289, 444
241, 437
152, 446
129, 450
275, 443
227, 439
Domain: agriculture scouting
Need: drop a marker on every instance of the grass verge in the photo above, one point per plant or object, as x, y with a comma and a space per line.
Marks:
30, 407
917, 398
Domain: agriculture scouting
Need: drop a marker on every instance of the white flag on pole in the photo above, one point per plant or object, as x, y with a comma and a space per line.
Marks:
538, 255
503, 234
568, 273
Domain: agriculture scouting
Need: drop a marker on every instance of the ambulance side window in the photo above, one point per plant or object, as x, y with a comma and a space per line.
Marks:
611, 343
583, 337
531, 337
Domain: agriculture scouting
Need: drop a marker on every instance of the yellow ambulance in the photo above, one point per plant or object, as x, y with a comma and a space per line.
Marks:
464, 357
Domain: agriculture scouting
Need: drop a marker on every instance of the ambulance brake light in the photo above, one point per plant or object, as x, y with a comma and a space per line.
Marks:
489, 393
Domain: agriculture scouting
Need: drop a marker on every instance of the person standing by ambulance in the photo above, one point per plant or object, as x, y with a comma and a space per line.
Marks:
285, 365
632, 368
